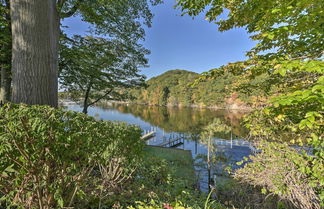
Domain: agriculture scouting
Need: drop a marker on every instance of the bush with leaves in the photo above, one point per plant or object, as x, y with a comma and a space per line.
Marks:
282, 170
235, 194
290, 49
206, 203
292, 119
48, 156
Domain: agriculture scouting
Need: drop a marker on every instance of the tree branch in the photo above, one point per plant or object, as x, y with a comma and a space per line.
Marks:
72, 10
81, 87
97, 100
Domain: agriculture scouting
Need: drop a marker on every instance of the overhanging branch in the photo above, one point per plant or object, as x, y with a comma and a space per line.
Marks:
103, 96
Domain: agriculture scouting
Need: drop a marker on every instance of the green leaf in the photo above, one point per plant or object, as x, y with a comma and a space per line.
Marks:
60, 202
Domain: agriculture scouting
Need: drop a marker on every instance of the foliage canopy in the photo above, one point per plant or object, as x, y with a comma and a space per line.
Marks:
290, 48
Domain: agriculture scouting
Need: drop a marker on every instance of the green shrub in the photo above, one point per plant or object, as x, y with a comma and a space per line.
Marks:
49, 156
281, 170
235, 194
184, 201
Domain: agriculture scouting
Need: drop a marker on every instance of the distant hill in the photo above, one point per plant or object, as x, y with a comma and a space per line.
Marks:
174, 88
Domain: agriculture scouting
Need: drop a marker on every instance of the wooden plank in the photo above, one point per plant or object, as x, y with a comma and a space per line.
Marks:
148, 135
169, 142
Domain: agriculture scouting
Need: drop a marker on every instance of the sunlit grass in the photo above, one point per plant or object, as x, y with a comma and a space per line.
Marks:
180, 161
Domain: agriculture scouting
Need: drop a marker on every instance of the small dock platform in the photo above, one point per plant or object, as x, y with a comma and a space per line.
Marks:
148, 135
172, 143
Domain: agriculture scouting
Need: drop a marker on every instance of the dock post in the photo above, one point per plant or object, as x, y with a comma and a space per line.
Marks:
231, 139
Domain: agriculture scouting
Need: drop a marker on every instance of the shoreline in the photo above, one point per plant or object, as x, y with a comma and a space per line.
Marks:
232, 107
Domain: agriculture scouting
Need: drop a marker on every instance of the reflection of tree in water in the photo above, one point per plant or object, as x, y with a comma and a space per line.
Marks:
234, 119
184, 119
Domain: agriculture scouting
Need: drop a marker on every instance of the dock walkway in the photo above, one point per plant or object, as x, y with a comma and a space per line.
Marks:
172, 143
148, 135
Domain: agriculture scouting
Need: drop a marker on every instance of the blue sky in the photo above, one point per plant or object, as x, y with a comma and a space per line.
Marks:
181, 42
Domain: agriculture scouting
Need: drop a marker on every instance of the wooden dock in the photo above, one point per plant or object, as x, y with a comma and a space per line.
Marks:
173, 142
148, 135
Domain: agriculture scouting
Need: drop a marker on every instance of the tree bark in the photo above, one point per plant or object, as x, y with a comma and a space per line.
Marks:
35, 35
5, 85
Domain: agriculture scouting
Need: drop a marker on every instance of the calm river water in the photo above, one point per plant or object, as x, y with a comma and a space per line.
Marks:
171, 123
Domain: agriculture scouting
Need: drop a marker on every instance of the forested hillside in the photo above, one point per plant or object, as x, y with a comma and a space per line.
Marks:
175, 88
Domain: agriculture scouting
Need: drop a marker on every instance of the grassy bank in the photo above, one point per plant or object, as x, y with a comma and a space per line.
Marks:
180, 161
169, 179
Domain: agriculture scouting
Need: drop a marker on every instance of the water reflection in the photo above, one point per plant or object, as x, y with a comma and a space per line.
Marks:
183, 119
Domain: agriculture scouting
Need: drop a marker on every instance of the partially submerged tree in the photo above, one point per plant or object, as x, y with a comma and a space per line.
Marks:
98, 68
35, 35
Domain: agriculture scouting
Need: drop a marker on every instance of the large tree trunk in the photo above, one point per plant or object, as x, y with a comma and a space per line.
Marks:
5, 85
35, 34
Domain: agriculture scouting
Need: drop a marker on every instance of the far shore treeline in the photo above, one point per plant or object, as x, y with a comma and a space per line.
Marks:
177, 88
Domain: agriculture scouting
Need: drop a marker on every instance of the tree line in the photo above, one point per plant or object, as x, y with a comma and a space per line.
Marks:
178, 88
